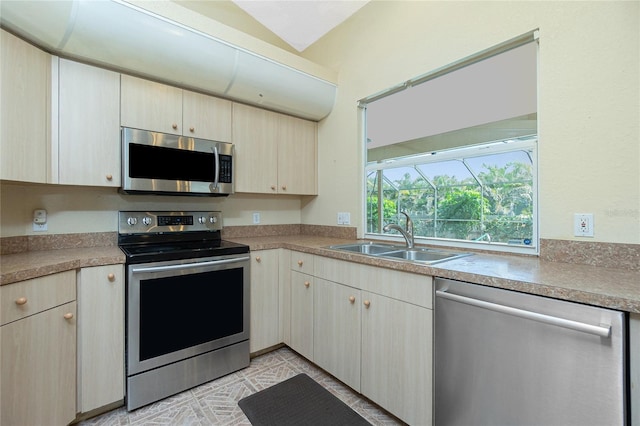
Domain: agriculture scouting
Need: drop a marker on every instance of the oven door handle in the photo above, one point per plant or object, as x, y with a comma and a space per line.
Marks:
190, 265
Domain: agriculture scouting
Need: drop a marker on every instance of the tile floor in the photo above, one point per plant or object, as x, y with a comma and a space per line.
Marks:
216, 403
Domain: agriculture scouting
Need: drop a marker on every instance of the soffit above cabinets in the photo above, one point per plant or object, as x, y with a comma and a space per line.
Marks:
128, 38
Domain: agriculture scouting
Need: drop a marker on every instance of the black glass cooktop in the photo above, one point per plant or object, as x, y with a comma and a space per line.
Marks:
157, 248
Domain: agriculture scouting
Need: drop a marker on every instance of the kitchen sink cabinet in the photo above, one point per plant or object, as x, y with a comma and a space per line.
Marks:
301, 339
101, 300
393, 331
265, 325
25, 84
336, 333
158, 107
38, 351
275, 153
88, 117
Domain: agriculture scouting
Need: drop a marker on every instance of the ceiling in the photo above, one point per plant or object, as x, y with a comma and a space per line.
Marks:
300, 23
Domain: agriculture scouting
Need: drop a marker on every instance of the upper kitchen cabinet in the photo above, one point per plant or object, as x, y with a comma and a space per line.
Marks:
206, 117
275, 153
24, 94
158, 107
89, 125
297, 156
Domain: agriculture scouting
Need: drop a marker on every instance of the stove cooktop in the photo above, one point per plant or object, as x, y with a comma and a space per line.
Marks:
160, 236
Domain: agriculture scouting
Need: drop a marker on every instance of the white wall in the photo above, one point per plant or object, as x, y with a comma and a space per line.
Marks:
88, 209
589, 98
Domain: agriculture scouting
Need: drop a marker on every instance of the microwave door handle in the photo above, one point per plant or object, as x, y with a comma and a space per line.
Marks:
216, 163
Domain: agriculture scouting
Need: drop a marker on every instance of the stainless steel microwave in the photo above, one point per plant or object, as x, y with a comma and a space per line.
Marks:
161, 163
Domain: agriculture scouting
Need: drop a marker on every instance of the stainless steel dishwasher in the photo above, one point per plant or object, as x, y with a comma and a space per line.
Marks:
508, 358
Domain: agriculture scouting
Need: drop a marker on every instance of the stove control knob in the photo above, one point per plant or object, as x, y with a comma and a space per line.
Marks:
213, 219
202, 220
132, 221
146, 220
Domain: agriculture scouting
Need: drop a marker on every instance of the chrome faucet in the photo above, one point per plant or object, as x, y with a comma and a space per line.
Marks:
408, 234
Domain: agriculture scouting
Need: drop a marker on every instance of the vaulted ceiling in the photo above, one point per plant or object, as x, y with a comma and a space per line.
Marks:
290, 24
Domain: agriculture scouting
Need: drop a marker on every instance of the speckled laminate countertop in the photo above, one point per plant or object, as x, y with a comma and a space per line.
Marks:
34, 264
607, 287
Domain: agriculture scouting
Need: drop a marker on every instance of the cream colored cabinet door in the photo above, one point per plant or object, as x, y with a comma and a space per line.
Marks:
336, 333
38, 366
89, 125
101, 303
397, 357
24, 96
206, 117
275, 153
265, 324
297, 156
302, 314
256, 151
151, 106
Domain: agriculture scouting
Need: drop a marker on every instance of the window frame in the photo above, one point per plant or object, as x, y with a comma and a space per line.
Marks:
534, 249
494, 147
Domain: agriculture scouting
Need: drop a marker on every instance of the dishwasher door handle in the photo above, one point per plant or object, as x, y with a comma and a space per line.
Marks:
602, 330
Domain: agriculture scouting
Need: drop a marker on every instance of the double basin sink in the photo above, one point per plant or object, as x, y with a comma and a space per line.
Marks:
416, 254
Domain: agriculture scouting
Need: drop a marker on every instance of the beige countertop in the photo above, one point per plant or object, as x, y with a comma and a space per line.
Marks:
607, 287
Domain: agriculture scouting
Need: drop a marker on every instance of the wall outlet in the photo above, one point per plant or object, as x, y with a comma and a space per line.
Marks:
256, 218
583, 225
344, 218
39, 227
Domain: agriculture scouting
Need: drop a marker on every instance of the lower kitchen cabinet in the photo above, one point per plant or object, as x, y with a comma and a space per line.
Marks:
396, 357
101, 302
265, 325
381, 344
336, 334
38, 351
301, 339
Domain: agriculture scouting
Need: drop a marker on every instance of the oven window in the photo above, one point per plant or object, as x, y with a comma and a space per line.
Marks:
154, 162
182, 311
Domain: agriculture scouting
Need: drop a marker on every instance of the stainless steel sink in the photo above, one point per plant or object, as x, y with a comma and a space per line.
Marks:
367, 248
421, 255
424, 255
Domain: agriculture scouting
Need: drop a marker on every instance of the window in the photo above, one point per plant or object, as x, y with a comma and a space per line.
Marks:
479, 194
457, 151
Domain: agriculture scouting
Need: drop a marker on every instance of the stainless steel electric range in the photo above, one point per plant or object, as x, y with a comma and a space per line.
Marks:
187, 302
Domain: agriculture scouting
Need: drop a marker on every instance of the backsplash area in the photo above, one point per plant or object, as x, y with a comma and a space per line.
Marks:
605, 255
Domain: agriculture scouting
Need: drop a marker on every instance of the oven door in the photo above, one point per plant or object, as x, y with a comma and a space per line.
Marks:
180, 309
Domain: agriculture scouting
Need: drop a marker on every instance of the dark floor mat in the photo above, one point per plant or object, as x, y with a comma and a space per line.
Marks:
298, 401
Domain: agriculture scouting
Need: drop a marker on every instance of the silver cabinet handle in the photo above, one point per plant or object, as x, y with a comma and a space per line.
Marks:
602, 331
189, 265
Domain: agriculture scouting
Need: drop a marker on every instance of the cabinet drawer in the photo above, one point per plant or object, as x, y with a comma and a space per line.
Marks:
302, 262
29, 297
